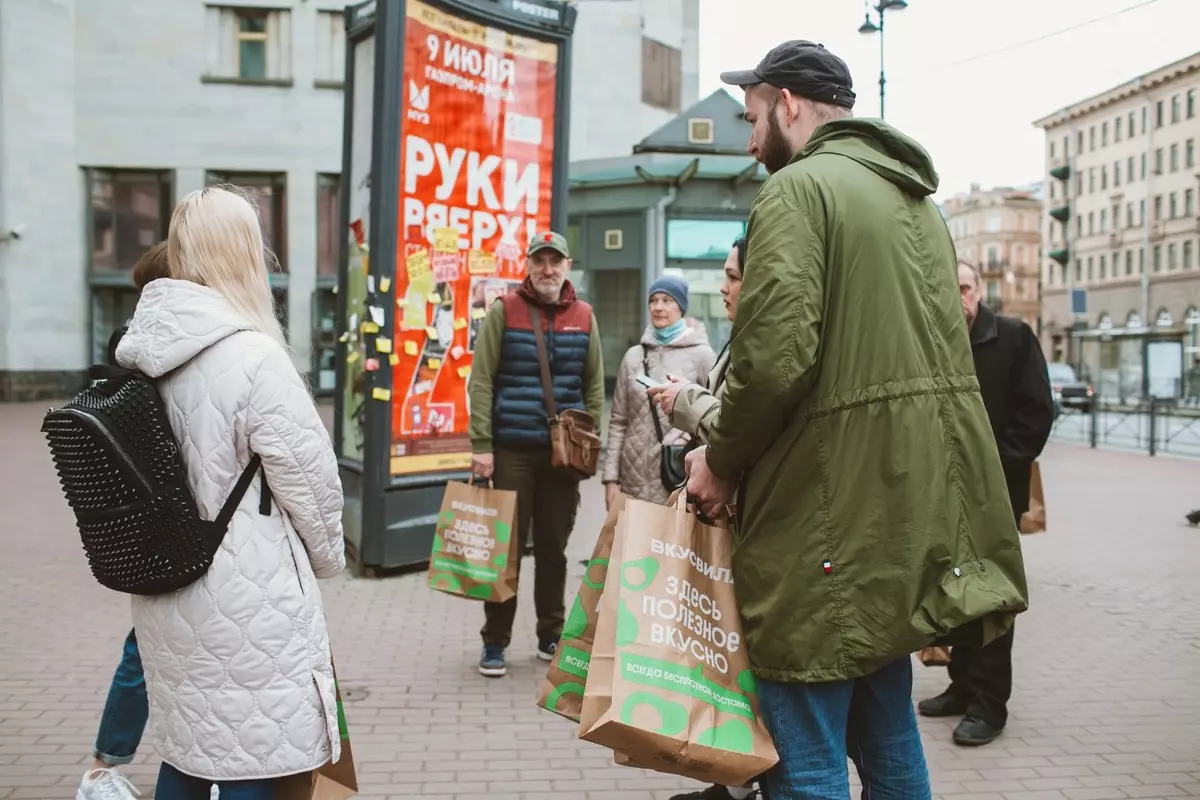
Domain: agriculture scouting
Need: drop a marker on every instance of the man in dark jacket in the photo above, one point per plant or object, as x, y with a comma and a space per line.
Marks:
1016, 392
510, 437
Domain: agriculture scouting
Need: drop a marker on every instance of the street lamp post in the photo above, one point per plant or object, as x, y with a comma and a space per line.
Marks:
869, 26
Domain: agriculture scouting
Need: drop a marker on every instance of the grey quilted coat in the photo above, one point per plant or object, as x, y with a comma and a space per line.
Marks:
632, 456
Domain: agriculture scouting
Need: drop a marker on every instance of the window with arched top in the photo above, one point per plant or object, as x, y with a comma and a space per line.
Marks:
1105, 322
1163, 319
1133, 320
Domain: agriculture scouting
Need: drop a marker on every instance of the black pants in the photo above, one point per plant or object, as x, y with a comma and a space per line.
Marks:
547, 499
982, 676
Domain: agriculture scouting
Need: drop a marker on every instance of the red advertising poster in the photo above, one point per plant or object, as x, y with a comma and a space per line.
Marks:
475, 182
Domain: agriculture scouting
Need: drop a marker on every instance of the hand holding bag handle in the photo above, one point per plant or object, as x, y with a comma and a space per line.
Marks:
574, 443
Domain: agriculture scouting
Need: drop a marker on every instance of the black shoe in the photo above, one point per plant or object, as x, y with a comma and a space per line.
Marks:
944, 705
547, 648
1194, 518
711, 793
974, 732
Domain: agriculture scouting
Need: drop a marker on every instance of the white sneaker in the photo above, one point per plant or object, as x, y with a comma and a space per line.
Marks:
106, 784
213, 795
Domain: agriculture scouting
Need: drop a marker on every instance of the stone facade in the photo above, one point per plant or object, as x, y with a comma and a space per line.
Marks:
998, 232
1123, 209
126, 89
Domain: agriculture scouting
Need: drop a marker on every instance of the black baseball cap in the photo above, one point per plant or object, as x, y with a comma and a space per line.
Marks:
804, 68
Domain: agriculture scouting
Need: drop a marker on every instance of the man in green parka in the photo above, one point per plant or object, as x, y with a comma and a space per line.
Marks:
873, 514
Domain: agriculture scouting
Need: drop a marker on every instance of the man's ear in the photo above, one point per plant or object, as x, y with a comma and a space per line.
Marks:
791, 106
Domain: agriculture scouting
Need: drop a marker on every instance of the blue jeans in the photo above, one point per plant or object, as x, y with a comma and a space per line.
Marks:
125, 711
174, 785
817, 725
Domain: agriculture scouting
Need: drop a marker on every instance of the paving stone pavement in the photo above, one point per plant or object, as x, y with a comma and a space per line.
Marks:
1106, 705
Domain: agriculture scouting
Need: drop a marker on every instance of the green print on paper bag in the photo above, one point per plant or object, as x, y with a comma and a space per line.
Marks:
673, 717
445, 583
577, 620
627, 625
587, 574
644, 568
678, 679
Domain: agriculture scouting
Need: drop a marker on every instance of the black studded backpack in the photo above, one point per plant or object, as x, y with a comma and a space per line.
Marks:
123, 475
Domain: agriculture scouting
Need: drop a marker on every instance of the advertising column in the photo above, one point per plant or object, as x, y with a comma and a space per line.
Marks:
476, 180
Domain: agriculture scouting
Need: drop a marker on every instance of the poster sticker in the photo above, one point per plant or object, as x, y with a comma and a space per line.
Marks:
411, 349
383, 344
417, 265
481, 262
385, 283
445, 240
446, 267
379, 393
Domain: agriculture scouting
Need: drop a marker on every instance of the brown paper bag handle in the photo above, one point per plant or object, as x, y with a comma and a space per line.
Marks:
474, 477
679, 501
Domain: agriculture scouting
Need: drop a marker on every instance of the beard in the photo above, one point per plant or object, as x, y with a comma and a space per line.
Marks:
775, 153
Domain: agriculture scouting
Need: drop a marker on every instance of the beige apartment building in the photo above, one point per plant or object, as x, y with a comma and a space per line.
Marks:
999, 232
1122, 220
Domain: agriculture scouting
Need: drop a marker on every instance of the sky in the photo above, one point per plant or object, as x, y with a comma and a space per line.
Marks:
973, 116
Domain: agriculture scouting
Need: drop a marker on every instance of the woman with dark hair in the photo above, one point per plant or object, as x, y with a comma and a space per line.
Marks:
692, 408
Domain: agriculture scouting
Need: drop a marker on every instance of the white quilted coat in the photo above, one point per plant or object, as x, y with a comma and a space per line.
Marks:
237, 664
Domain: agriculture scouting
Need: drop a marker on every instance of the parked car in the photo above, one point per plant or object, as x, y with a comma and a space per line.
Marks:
1069, 390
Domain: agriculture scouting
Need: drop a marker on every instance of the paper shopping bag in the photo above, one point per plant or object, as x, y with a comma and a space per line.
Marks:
334, 781
1034, 520
670, 685
475, 553
934, 656
562, 688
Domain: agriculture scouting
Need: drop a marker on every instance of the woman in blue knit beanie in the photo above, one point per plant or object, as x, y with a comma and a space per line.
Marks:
672, 344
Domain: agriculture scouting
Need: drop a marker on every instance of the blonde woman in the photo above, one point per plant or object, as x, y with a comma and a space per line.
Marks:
237, 665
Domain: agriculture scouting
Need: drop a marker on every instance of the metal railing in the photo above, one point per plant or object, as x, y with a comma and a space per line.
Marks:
1151, 426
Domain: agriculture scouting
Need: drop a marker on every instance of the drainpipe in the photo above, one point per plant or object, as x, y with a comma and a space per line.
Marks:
1149, 260
656, 243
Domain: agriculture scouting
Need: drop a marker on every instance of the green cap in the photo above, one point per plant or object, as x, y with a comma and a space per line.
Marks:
544, 240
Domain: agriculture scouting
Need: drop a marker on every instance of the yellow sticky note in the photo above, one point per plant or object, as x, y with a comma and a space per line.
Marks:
394, 359
401, 302
434, 363
417, 264
459, 324
380, 393
352, 356
478, 313
421, 285
383, 345
464, 372
345, 337
435, 299
410, 348
370, 327
432, 333
385, 283
445, 240
480, 262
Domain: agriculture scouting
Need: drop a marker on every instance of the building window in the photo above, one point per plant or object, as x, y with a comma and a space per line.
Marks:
1141, 261
1189, 154
1078, 271
1174, 158
1132, 125
1091, 179
1092, 138
662, 75
1175, 109
1052, 149
1128, 262
1158, 208
1116, 173
1174, 206
1187, 254
1143, 166
1142, 211
702, 238
1158, 258
1145, 119
993, 223
249, 45
1117, 129
1104, 177
1079, 143
993, 257
1079, 224
1103, 267
1104, 135
1191, 103
1131, 172
1129, 215
1103, 220
330, 57
1171, 263
329, 209
1159, 115
128, 214
1090, 263
1189, 197
1158, 161
268, 193
1078, 184
1091, 223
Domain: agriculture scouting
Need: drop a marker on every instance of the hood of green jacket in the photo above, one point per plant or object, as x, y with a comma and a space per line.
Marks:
880, 148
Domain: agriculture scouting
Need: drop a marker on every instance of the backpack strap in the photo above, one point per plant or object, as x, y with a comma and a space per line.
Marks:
543, 364
239, 491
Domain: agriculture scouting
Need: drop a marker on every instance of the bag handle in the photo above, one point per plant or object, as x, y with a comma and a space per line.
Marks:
543, 364
653, 411
239, 491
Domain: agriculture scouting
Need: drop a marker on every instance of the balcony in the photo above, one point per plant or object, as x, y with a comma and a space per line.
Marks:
1060, 169
1061, 213
1115, 238
1060, 256
1156, 231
